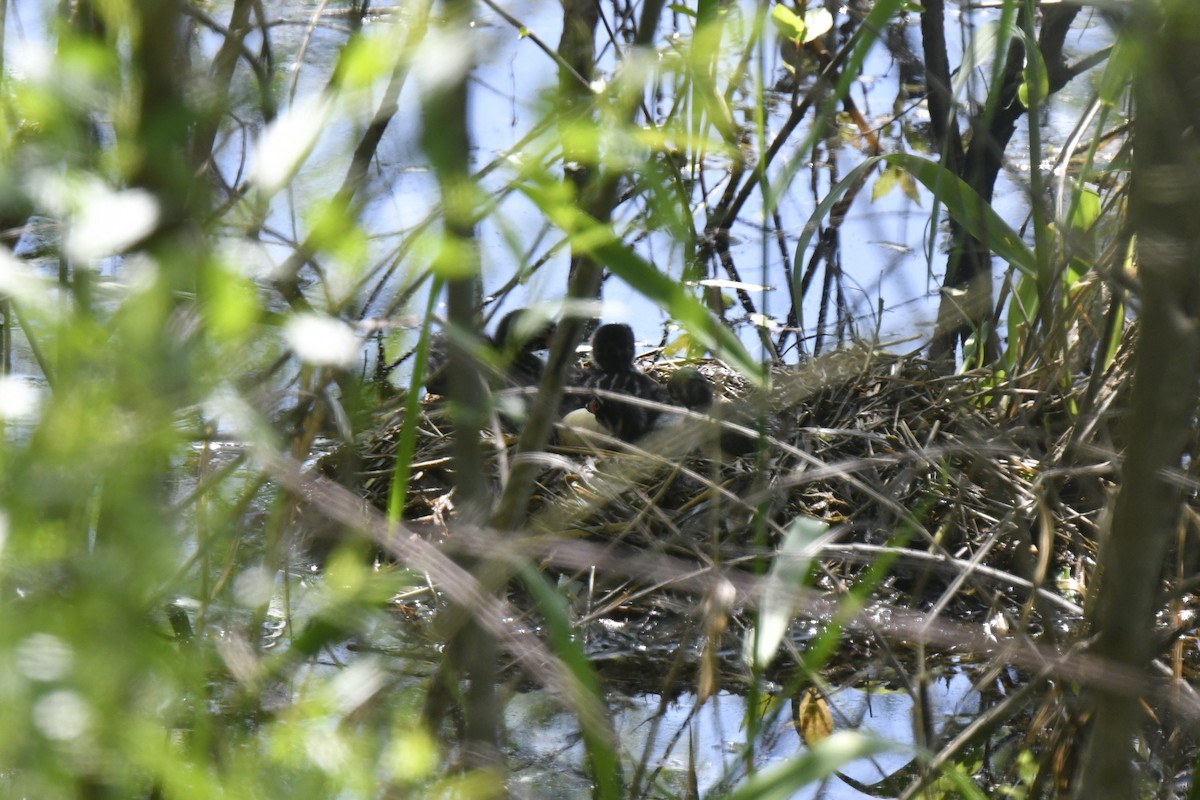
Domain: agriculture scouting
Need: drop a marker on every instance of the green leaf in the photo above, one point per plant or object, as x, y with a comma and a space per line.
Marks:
864, 39
787, 574
333, 229
1035, 74
985, 46
231, 303
888, 179
454, 259
1076, 269
789, 24
366, 58
1086, 210
680, 345
969, 210
818, 762
1022, 310
1118, 72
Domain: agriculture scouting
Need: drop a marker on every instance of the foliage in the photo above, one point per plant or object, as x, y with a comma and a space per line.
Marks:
229, 228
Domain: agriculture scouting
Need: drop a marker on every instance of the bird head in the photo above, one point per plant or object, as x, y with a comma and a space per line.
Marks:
612, 347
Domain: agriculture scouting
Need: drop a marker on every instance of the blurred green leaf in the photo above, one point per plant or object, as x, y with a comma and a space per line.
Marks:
892, 176
231, 303
888, 178
788, 23
680, 345
334, 229
819, 762
454, 259
1086, 209
1118, 73
367, 57
786, 576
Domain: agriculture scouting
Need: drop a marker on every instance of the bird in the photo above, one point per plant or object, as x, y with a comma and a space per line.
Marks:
688, 387
518, 337
613, 373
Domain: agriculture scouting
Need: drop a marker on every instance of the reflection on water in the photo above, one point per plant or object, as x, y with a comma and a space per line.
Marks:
672, 738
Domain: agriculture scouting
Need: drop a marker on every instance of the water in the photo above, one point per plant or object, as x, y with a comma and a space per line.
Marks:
674, 737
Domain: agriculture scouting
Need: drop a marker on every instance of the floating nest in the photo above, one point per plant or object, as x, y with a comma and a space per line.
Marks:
1009, 475
972, 489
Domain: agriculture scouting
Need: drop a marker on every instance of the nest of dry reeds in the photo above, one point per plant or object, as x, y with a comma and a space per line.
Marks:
1008, 475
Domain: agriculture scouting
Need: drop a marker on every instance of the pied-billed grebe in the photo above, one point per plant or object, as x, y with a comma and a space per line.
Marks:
614, 373
688, 387
519, 334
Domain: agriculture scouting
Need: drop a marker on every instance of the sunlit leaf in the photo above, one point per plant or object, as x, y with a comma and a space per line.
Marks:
909, 187
411, 755
454, 258
19, 281
708, 677
322, 341
888, 179
442, 60
20, 397
286, 143
680, 344
878, 19
110, 222
817, 23
333, 229
786, 576
231, 303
